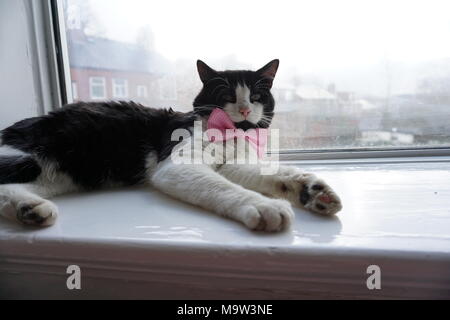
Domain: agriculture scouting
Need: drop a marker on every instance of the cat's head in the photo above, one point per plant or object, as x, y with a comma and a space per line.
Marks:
244, 95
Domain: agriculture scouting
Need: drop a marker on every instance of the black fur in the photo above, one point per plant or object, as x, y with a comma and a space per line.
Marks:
18, 169
99, 142
219, 87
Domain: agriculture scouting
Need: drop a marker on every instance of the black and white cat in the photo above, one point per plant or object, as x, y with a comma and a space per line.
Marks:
85, 146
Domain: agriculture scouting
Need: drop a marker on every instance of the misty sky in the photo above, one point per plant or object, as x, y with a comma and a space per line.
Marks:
358, 44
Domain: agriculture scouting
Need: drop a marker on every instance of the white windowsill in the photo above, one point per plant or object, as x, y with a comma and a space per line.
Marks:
138, 243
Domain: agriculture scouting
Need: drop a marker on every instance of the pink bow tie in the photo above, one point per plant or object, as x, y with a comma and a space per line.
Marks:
219, 120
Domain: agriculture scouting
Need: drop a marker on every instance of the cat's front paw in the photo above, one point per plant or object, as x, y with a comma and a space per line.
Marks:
311, 193
268, 215
37, 213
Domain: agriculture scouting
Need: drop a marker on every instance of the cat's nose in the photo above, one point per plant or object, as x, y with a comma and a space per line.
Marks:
245, 112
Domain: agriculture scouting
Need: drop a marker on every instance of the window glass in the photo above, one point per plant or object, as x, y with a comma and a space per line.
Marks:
353, 73
168, 88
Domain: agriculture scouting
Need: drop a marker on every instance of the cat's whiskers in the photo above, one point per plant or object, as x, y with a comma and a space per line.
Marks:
266, 120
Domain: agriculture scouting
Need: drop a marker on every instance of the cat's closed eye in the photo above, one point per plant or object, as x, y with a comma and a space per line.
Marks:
228, 98
255, 97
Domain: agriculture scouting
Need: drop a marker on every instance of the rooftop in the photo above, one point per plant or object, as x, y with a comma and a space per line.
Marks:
106, 54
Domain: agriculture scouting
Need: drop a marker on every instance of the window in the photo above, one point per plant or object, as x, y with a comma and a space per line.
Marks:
97, 88
74, 91
354, 74
120, 88
142, 91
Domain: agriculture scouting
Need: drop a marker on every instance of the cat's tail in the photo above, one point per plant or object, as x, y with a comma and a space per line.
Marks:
18, 169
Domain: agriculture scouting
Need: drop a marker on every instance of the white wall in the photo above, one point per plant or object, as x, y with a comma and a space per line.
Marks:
20, 90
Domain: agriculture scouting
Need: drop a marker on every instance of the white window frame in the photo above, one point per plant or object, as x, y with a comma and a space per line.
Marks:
144, 89
91, 84
116, 86
56, 30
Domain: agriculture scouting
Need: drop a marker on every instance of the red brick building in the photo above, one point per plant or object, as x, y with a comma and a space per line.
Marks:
105, 69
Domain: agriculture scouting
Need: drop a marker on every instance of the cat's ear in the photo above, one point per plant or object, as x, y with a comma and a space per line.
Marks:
269, 70
205, 72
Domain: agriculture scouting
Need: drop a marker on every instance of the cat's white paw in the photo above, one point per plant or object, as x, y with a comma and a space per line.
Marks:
37, 212
268, 215
309, 192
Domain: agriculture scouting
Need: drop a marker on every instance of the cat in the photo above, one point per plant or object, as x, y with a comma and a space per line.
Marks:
90, 145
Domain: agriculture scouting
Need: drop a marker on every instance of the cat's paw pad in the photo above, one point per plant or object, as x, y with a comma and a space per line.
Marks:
37, 213
307, 191
271, 216
315, 195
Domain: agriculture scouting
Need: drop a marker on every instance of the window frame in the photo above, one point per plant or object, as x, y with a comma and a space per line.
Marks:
91, 91
56, 35
115, 86
366, 155
59, 55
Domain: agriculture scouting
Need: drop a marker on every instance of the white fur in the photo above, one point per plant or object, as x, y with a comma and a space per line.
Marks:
239, 191
15, 198
201, 185
287, 183
236, 191
7, 150
243, 101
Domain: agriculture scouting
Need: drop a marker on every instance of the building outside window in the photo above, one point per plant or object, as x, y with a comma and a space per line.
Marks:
168, 88
389, 90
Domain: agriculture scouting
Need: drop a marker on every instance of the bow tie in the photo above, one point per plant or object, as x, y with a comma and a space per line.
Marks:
219, 120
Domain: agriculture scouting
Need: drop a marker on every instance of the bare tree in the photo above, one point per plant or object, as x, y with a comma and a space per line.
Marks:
81, 16
145, 38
